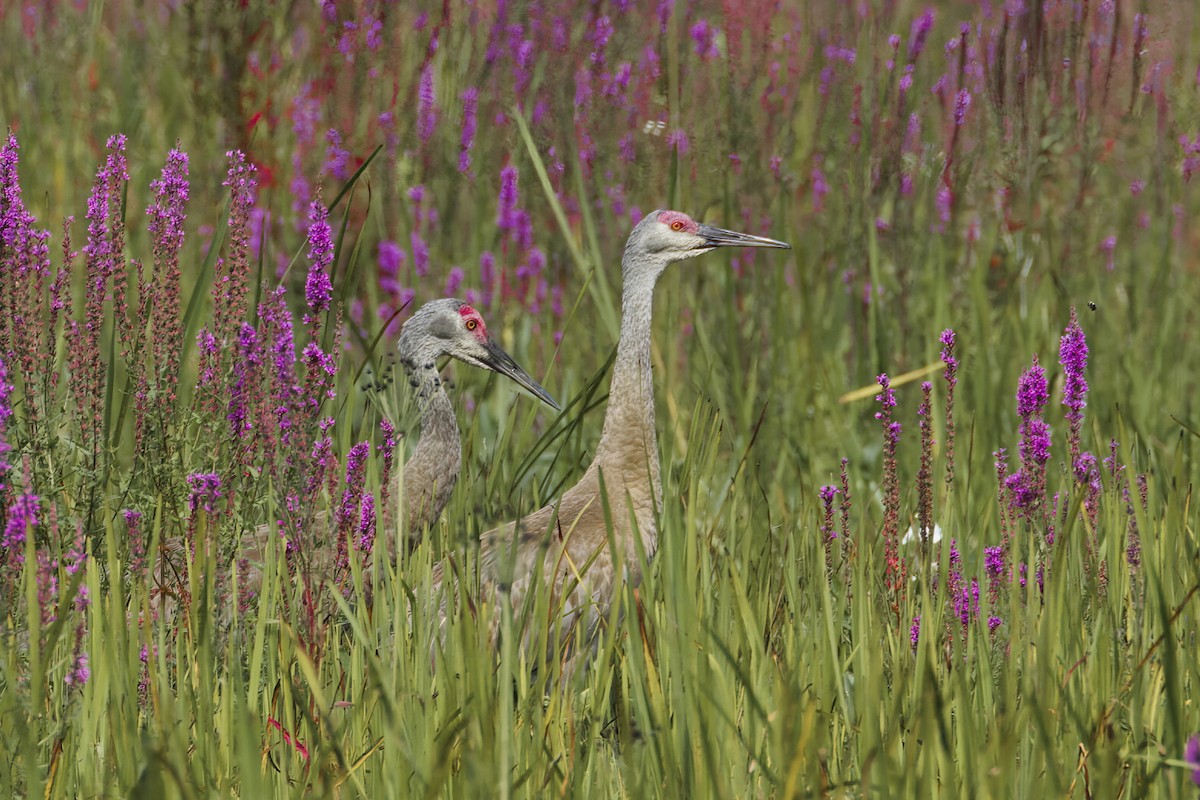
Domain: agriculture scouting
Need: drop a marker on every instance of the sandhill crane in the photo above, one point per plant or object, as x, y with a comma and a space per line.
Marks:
443, 328
567, 542
440, 328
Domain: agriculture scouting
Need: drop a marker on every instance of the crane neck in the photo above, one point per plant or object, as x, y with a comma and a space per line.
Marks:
628, 446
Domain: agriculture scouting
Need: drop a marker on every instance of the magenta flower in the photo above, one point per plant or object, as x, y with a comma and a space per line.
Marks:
454, 281
506, 216
962, 103
1073, 355
205, 490
22, 517
426, 110
921, 27
704, 40
337, 158
5, 414
318, 289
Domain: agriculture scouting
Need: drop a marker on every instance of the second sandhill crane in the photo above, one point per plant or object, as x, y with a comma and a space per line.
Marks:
443, 328
440, 328
566, 544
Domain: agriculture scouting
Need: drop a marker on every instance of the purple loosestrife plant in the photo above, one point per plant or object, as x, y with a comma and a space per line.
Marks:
348, 513
427, 115
166, 228
366, 524
25, 338
102, 255
318, 288
470, 100
1028, 484
828, 531
232, 279
22, 517
5, 414
204, 491
950, 375
387, 449
894, 570
925, 471
1073, 355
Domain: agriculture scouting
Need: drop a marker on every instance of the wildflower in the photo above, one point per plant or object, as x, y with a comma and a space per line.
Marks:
318, 289
231, 288
79, 672
426, 112
601, 33
22, 516
921, 27
944, 202
454, 281
348, 513
891, 482
245, 373
1028, 483
962, 103
704, 39
5, 414
470, 100
950, 375
137, 543
506, 210
677, 140
166, 228
828, 532
337, 158
924, 472
205, 490
366, 523
1073, 355
914, 632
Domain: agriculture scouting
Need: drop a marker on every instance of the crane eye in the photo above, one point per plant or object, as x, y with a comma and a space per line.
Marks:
472, 324
677, 225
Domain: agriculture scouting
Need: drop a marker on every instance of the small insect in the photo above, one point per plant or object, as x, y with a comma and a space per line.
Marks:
1092, 305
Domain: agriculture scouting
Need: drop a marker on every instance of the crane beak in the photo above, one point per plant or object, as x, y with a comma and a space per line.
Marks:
499, 361
719, 237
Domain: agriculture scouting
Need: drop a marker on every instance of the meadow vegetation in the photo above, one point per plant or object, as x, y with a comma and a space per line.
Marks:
928, 526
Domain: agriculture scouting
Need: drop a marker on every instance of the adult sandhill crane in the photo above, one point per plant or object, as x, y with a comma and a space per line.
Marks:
440, 328
567, 543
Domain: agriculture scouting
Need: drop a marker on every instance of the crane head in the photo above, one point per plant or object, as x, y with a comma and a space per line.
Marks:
674, 235
454, 328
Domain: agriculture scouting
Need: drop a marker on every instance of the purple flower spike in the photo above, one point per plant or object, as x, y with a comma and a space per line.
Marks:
426, 110
5, 413
318, 289
1073, 355
962, 103
205, 490
950, 375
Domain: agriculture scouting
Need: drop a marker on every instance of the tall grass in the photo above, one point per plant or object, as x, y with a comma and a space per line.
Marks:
173, 371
